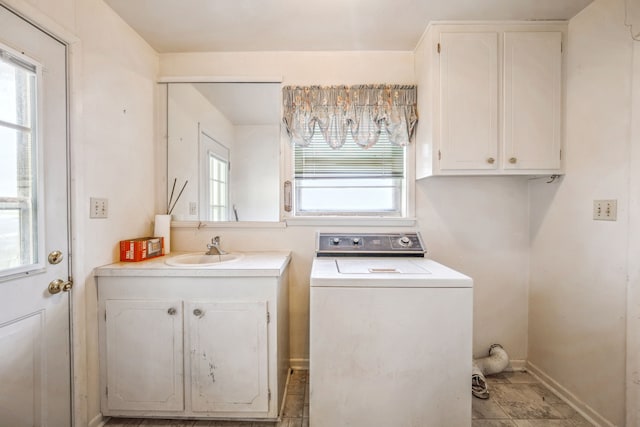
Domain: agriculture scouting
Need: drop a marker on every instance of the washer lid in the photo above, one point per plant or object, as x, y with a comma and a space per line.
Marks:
379, 266
376, 272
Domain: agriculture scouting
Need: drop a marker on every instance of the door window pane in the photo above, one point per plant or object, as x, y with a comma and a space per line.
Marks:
218, 185
18, 165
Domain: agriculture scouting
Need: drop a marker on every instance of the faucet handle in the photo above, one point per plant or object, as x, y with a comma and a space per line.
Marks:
215, 240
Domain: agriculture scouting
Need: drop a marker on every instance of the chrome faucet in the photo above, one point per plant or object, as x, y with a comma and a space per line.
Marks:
214, 247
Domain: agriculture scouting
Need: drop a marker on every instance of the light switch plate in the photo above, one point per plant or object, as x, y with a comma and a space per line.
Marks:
605, 210
99, 208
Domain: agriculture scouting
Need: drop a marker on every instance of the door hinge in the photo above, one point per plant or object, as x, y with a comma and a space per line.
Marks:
438, 47
106, 391
105, 315
269, 395
268, 317
439, 155
561, 47
560, 154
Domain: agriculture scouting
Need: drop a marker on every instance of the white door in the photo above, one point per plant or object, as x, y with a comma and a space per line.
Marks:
532, 99
144, 356
229, 356
468, 101
34, 323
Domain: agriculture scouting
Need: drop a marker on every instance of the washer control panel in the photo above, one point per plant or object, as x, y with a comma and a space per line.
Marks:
370, 244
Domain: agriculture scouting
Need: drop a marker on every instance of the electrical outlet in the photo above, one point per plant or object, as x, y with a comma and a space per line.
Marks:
605, 210
99, 208
193, 208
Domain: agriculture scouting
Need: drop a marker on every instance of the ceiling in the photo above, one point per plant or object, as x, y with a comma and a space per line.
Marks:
314, 25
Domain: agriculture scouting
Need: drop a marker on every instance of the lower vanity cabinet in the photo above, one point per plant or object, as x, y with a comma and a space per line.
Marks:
142, 346
228, 356
196, 347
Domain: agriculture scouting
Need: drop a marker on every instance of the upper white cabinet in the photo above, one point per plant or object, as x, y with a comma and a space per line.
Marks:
532, 100
490, 99
468, 101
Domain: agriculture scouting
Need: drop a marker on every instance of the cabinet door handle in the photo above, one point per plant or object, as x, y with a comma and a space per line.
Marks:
172, 311
513, 160
491, 160
197, 312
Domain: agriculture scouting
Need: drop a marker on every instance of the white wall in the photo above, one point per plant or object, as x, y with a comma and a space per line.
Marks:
117, 93
477, 225
577, 294
113, 73
254, 179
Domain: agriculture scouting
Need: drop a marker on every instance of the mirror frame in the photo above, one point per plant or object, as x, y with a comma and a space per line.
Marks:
163, 164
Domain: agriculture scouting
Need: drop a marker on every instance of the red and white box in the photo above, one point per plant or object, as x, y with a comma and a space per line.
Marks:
133, 250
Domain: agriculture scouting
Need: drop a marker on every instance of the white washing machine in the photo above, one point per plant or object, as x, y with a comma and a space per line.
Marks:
390, 335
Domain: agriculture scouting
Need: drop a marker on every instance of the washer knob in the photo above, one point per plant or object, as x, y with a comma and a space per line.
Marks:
335, 241
356, 240
405, 241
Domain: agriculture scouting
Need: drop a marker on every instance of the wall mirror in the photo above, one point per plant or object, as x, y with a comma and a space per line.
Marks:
224, 138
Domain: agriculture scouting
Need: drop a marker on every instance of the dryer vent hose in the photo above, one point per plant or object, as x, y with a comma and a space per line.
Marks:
496, 362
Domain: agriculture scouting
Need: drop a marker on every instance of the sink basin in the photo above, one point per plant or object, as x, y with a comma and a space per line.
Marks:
202, 260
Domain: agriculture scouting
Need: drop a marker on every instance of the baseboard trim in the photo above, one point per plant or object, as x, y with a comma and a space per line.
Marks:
98, 421
299, 363
517, 366
569, 398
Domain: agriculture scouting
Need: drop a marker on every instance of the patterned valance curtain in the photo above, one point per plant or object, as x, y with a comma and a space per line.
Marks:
363, 111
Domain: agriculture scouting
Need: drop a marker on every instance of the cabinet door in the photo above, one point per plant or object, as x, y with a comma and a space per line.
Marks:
532, 100
228, 348
468, 101
144, 355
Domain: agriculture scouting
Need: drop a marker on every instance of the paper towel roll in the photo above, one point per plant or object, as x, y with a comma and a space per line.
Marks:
162, 228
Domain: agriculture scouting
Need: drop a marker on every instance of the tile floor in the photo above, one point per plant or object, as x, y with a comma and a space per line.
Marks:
295, 414
516, 400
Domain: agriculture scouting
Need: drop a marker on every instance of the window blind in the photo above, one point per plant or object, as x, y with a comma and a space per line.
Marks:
319, 160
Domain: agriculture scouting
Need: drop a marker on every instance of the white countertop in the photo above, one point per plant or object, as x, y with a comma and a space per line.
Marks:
252, 264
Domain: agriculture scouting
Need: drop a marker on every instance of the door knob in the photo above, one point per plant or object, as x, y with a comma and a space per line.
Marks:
58, 285
55, 257
491, 160
513, 160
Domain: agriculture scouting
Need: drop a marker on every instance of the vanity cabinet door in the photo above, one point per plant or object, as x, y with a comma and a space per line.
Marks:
228, 356
144, 355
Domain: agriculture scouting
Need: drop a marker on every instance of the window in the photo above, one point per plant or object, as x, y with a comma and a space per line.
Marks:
218, 188
18, 164
367, 175
350, 180
214, 174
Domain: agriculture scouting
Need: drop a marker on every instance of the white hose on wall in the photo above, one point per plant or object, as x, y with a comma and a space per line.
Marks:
497, 361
